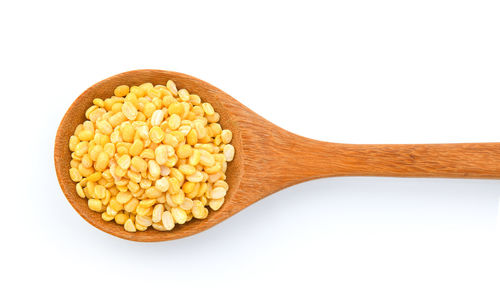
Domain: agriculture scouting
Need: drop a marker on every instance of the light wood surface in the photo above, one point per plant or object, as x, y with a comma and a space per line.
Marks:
269, 158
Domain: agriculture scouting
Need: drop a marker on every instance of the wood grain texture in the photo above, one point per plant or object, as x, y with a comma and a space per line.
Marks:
269, 158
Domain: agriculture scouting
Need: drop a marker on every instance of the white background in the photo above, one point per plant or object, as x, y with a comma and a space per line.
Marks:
340, 71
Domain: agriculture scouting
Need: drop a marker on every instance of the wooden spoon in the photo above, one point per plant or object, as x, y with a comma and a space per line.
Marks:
269, 158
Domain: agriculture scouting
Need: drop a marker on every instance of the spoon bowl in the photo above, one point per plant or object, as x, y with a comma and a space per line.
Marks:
269, 158
76, 115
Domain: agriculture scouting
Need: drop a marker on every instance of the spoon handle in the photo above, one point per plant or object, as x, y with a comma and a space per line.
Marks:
462, 160
304, 159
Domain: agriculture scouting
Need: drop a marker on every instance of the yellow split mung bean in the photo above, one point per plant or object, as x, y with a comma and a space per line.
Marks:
151, 156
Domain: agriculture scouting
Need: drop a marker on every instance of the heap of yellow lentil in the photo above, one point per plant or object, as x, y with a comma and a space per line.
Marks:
151, 155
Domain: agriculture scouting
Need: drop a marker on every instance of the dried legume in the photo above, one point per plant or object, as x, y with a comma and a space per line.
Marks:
151, 156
